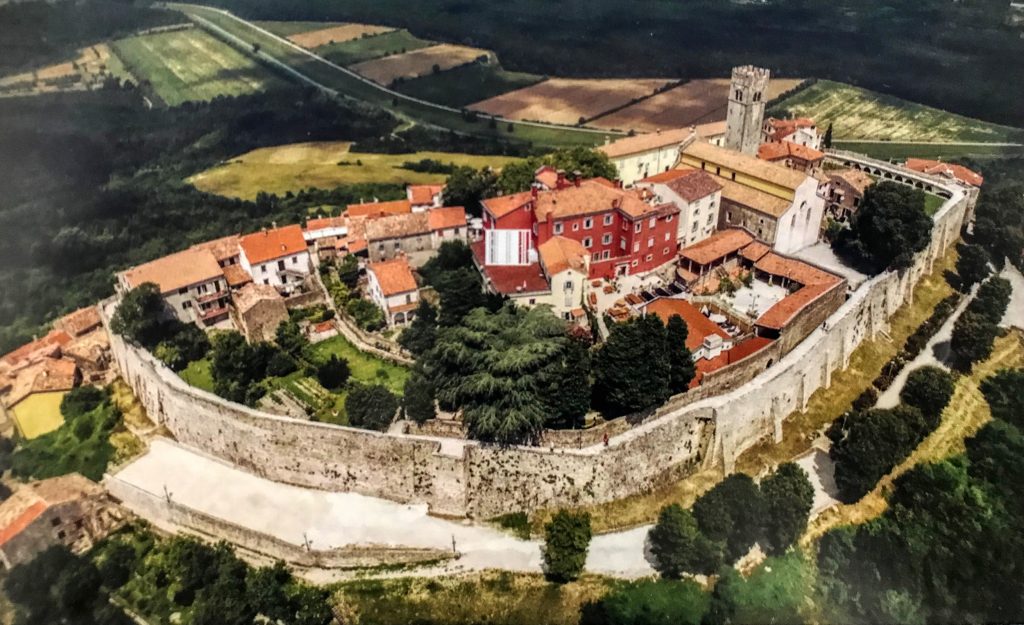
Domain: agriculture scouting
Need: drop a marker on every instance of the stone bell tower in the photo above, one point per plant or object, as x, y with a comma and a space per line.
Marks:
745, 114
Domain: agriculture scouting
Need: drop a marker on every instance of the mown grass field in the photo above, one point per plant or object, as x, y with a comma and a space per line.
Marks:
369, 48
861, 114
301, 166
197, 373
466, 84
188, 65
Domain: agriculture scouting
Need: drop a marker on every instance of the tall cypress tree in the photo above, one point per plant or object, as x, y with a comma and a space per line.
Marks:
681, 367
631, 370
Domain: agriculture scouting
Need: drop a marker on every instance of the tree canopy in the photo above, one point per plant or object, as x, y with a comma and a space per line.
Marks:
632, 368
518, 176
679, 546
788, 496
371, 406
888, 229
566, 541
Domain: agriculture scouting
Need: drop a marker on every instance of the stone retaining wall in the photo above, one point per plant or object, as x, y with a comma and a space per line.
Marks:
464, 478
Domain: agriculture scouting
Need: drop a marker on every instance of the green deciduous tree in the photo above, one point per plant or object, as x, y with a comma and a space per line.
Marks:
516, 177
290, 338
422, 332
333, 373
681, 366
776, 592
366, 314
788, 496
348, 271
139, 316
999, 223
570, 391
928, 389
972, 339
731, 513
631, 369
971, 265
418, 398
1004, 393
467, 186
871, 444
889, 228
678, 545
460, 291
992, 299
566, 540
372, 407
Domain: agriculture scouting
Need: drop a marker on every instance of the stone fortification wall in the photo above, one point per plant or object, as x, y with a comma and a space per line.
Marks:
462, 478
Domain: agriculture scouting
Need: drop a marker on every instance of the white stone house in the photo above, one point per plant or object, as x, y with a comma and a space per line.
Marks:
695, 193
392, 287
278, 257
566, 264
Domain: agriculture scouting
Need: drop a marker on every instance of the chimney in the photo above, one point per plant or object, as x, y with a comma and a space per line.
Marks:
273, 225
577, 177
534, 192
560, 183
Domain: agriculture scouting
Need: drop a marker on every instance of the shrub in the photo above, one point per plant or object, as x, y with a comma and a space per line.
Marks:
366, 314
566, 540
80, 400
333, 373
371, 407
280, 364
649, 602
928, 389
679, 547
418, 399
788, 496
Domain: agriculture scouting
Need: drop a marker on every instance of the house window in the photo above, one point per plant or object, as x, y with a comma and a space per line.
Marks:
711, 217
596, 256
606, 239
408, 298
733, 175
280, 265
398, 245
608, 219
653, 222
568, 285
558, 227
588, 223
55, 521
588, 242
635, 263
263, 268
295, 260
669, 218
650, 242
638, 227
186, 305
456, 232
182, 291
532, 301
636, 247
266, 280
728, 216
668, 235
605, 255
664, 252
622, 243
694, 228
575, 227
718, 171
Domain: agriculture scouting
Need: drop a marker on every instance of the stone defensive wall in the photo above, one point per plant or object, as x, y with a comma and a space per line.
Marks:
464, 478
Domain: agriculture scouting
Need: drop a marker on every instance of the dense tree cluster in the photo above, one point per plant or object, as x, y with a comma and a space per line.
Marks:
516, 177
239, 368
371, 406
976, 329
566, 541
972, 265
949, 545
888, 229
999, 220
142, 318
727, 520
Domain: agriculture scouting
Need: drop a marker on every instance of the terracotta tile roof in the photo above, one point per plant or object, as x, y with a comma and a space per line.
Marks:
252, 294
755, 251
27, 514
748, 165
794, 270
31, 500
512, 279
323, 326
236, 276
46, 346
695, 185
711, 129
176, 271
605, 182
738, 352
505, 204
814, 283
267, 245
446, 218
546, 175
46, 376
394, 276
559, 253
855, 178
719, 245
700, 327
589, 197
224, 248
779, 315
949, 170
79, 322
779, 129
323, 223
646, 142
779, 150
420, 194
397, 226
666, 176
753, 198
370, 209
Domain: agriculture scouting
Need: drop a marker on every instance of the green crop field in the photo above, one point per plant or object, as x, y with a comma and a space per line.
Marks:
368, 48
286, 29
231, 28
466, 84
188, 65
865, 115
886, 150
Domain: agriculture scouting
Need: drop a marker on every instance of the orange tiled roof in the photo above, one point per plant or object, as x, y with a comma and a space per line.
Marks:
559, 254
696, 184
666, 176
589, 197
397, 226
546, 175
794, 270
42, 347
224, 248
755, 251
511, 279
814, 283
176, 271
646, 142
322, 223
779, 150
700, 327
22, 521
420, 194
949, 170
252, 294
236, 276
267, 245
504, 204
718, 245
446, 218
738, 352
371, 209
856, 178
779, 129
79, 322
394, 276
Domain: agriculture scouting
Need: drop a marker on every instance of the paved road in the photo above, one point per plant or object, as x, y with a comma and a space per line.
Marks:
331, 520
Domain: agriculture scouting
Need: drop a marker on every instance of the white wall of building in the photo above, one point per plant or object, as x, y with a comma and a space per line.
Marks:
273, 272
405, 301
800, 226
698, 219
633, 167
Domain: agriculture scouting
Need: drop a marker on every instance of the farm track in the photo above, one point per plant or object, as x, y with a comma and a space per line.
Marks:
339, 81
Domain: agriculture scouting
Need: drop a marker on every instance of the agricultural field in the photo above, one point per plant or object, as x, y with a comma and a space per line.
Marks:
889, 150
337, 34
322, 165
89, 69
189, 65
696, 102
464, 85
417, 63
567, 100
287, 29
369, 48
859, 114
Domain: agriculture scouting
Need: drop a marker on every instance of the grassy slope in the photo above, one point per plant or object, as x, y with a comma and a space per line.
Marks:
300, 166
191, 65
966, 413
286, 29
367, 48
466, 84
900, 151
861, 114
360, 90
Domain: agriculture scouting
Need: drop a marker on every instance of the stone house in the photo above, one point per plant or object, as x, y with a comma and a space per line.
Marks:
259, 309
844, 192
801, 131
392, 287
566, 264
793, 155
277, 257
191, 283
645, 155
68, 510
414, 235
697, 195
423, 197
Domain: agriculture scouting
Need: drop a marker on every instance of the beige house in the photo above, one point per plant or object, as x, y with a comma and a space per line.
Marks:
392, 287
414, 235
566, 264
645, 155
191, 283
68, 510
697, 195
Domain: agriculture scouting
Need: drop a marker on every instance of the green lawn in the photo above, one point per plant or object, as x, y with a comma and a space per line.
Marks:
286, 29
861, 114
932, 203
80, 445
368, 48
197, 373
364, 367
466, 84
190, 65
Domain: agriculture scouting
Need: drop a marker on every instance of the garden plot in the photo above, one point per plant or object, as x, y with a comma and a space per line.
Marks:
420, 62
